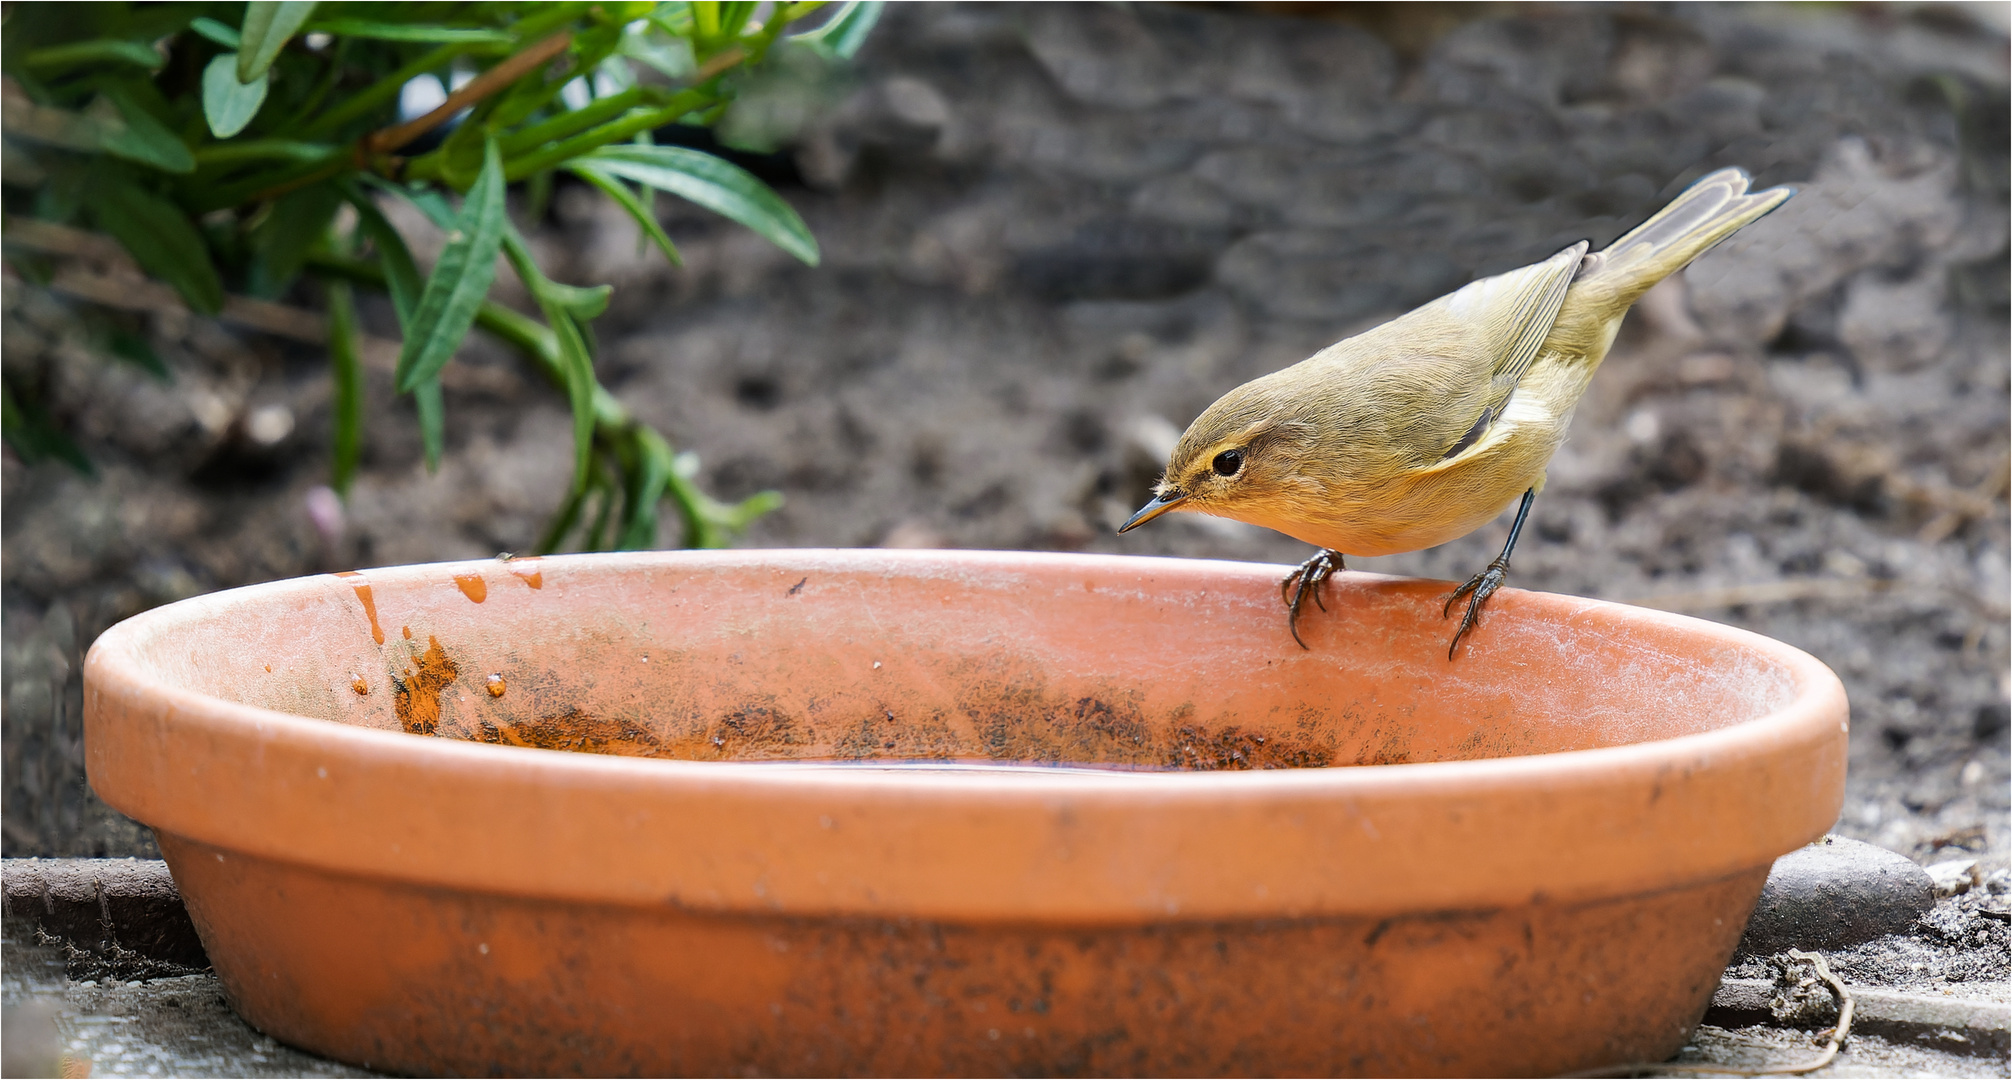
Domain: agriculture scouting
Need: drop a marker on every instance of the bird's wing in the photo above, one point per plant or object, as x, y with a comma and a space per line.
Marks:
1527, 302
1512, 314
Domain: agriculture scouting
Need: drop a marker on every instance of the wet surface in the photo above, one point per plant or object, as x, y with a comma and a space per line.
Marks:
943, 659
1088, 735
105, 1025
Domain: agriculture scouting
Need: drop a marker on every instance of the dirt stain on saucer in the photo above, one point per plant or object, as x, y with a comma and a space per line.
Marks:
417, 695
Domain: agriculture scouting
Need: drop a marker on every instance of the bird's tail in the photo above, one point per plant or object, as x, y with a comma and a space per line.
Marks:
1707, 212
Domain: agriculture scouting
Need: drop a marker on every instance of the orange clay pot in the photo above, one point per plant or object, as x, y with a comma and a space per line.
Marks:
1355, 859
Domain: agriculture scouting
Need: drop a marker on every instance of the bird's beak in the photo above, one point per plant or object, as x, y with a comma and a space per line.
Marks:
1153, 509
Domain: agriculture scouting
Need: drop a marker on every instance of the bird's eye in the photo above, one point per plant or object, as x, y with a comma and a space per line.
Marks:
1228, 462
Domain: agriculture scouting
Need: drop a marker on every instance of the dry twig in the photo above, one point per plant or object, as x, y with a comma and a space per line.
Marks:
496, 78
1845, 1007
1979, 502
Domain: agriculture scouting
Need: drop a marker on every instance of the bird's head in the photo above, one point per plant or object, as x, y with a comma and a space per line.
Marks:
1239, 459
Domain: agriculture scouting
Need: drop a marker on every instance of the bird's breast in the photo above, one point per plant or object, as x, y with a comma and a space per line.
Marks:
1424, 507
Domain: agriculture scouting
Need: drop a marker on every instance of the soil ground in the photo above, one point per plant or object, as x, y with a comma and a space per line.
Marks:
1053, 234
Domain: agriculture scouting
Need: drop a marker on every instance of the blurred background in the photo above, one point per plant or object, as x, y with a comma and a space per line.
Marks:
1052, 234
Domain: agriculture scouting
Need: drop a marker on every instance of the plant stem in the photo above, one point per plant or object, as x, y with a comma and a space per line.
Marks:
570, 123
705, 20
516, 329
705, 518
329, 78
347, 377
483, 85
381, 91
232, 153
370, 150
681, 104
270, 185
558, 15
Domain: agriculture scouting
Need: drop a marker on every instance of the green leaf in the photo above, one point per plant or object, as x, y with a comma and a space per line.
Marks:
434, 205
846, 31
298, 221
459, 280
346, 372
217, 155
65, 196
216, 32
795, 12
227, 103
560, 303
638, 209
717, 185
432, 420
160, 238
598, 531
671, 56
427, 200
384, 31
578, 365
612, 76
537, 195
743, 513
705, 19
87, 53
462, 152
646, 489
562, 523
34, 438
133, 133
391, 252
568, 122
134, 349
581, 303
266, 28
401, 274
734, 15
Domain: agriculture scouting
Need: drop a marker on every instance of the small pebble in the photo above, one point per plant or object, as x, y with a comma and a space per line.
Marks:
1833, 893
1953, 877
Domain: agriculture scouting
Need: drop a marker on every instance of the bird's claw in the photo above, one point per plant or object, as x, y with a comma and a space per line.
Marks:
1477, 589
1310, 575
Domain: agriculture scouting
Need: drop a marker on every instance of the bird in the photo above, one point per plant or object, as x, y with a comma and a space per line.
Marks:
1426, 427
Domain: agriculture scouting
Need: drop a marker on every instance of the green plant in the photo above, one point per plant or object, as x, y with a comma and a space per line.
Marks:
218, 144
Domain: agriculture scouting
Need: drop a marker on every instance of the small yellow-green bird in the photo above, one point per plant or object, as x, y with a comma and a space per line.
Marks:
1425, 428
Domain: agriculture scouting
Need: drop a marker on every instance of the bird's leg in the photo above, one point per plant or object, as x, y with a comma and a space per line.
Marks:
1310, 575
1483, 585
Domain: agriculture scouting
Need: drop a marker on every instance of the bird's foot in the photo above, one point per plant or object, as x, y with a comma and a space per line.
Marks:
1309, 576
1477, 590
